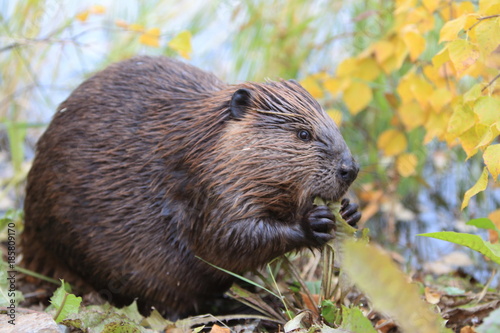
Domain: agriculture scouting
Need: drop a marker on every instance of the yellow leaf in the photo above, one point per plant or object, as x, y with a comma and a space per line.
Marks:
493, 9
311, 85
151, 37
182, 44
389, 65
439, 98
491, 158
480, 185
451, 29
441, 57
406, 164
357, 96
484, 5
82, 16
400, 51
430, 5
392, 142
455, 9
383, 50
419, 18
97, 9
469, 22
465, 7
136, 27
335, 85
412, 115
490, 135
488, 35
487, 109
462, 54
436, 125
347, 67
404, 88
462, 119
421, 90
367, 69
415, 43
471, 138
473, 93
433, 74
336, 115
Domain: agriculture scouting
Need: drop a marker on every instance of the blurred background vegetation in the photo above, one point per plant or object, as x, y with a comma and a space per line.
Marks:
48, 47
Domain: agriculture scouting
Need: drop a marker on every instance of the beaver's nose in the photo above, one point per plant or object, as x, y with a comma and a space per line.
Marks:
348, 170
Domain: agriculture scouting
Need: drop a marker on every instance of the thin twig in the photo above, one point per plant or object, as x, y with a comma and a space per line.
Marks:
491, 82
479, 19
8, 47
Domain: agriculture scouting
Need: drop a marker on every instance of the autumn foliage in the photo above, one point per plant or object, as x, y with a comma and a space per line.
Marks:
442, 58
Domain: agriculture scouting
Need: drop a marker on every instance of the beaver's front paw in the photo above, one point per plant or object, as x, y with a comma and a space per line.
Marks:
349, 212
321, 222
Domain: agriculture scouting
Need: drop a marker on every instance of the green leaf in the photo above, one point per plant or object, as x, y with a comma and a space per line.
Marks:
107, 319
474, 242
353, 320
329, 311
388, 289
483, 223
64, 302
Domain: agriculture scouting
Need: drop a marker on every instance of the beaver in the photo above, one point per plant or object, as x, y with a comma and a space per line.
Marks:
153, 168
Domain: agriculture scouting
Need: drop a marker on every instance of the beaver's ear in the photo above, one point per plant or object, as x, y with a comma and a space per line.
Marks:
240, 102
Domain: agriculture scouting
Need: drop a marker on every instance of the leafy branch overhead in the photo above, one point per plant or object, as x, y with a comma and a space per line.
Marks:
181, 43
426, 81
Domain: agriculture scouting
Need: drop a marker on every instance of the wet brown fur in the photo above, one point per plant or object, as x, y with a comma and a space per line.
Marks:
144, 166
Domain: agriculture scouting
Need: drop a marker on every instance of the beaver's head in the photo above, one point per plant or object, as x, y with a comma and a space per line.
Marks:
279, 150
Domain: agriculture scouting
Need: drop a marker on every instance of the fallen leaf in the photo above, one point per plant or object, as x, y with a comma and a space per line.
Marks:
218, 329
432, 296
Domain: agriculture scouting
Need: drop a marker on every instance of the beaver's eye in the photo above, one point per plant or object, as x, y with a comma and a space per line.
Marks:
304, 135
